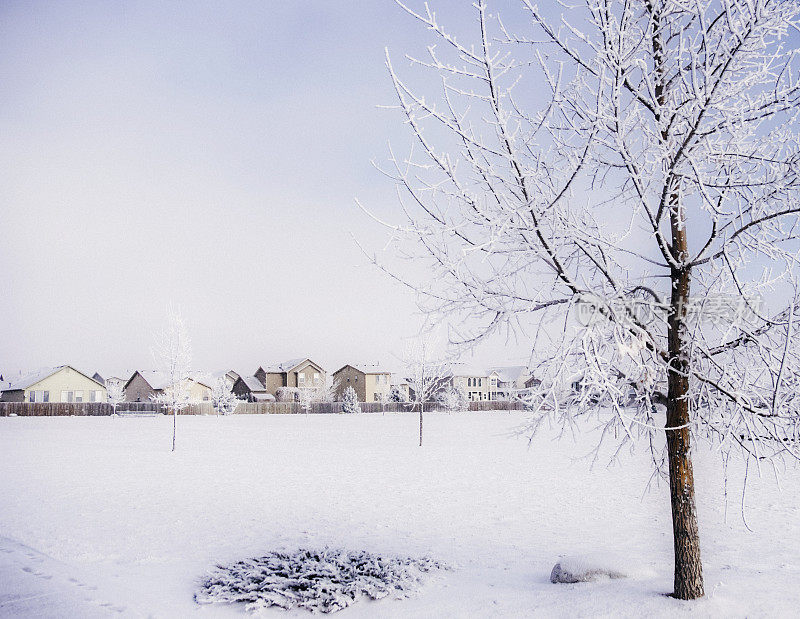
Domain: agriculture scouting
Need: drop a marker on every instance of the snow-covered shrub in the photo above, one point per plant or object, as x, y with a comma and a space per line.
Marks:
319, 581
222, 396
350, 401
453, 400
397, 395
581, 569
287, 394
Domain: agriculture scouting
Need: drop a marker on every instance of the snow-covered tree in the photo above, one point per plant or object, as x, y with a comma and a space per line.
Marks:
115, 389
397, 395
173, 354
384, 397
350, 401
306, 397
639, 159
426, 372
453, 399
326, 392
222, 396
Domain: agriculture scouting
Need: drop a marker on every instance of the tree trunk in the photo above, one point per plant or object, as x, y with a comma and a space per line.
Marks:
421, 406
686, 539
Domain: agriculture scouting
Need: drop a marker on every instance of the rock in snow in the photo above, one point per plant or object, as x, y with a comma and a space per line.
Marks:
582, 569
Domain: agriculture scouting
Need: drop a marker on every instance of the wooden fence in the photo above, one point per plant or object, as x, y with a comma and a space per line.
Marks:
50, 409
93, 409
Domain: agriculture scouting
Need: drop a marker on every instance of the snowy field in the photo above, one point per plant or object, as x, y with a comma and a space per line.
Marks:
98, 518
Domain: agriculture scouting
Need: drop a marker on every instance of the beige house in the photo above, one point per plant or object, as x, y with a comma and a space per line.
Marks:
472, 381
145, 385
370, 383
60, 384
297, 373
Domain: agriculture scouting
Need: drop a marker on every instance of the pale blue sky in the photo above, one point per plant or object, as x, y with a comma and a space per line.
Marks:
207, 154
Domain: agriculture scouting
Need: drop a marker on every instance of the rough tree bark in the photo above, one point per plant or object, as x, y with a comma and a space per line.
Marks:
686, 538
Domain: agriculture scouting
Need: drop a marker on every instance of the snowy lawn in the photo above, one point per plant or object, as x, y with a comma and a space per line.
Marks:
98, 517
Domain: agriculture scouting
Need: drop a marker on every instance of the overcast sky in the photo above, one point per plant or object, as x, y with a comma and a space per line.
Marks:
208, 155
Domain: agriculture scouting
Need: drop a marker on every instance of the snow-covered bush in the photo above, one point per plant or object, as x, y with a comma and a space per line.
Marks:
319, 581
397, 395
287, 394
222, 396
454, 400
350, 401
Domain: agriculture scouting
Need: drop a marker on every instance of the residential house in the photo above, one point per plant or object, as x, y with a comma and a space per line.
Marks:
505, 382
473, 381
298, 373
60, 384
370, 383
146, 385
251, 389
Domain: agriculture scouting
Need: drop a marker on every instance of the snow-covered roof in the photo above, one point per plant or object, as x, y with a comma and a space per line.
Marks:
286, 366
161, 380
252, 382
366, 368
34, 377
509, 374
264, 397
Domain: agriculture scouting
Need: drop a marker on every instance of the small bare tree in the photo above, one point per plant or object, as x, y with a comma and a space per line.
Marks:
173, 353
655, 182
115, 390
426, 372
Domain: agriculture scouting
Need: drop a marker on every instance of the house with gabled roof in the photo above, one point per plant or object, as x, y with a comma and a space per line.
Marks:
59, 384
301, 373
145, 385
505, 381
471, 380
371, 383
251, 389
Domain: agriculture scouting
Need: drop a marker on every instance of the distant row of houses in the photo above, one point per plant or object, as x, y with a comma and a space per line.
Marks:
282, 381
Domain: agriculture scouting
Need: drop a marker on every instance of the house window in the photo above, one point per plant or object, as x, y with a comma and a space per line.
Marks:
31, 396
469, 382
79, 396
45, 396
480, 382
316, 377
67, 396
494, 382
301, 380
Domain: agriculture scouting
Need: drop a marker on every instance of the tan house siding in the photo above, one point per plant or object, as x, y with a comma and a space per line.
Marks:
307, 374
58, 387
367, 385
348, 376
377, 385
138, 389
291, 377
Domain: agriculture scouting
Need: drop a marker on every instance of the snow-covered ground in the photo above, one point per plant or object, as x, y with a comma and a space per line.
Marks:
98, 518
